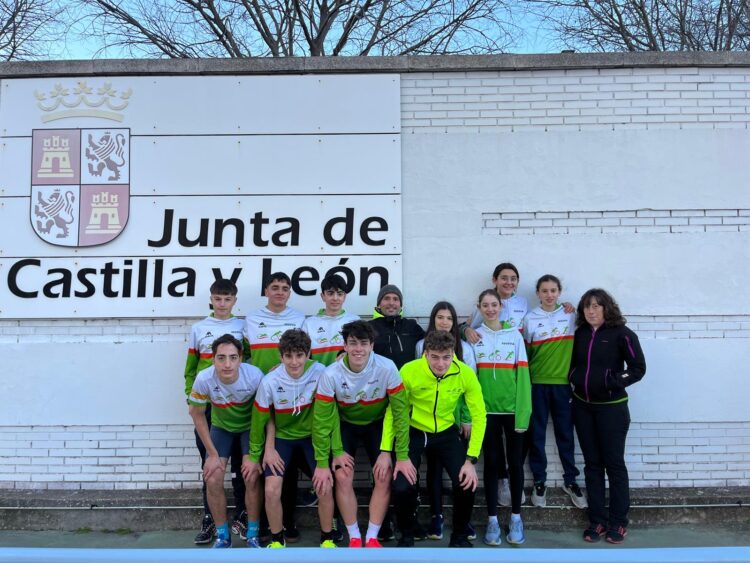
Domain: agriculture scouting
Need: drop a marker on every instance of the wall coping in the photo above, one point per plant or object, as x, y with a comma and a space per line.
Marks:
371, 65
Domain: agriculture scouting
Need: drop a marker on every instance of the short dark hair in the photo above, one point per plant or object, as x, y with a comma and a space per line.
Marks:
548, 278
505, 266
333, 282
439, 340
361, 330
226, 339
223, 287
294, 340
277, 276
612, 315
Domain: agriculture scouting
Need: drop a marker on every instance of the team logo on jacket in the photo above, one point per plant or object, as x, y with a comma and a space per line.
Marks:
80, 185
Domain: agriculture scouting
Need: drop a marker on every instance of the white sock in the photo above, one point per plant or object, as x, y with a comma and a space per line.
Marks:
372, 531
353, 530
515, 517
492, 519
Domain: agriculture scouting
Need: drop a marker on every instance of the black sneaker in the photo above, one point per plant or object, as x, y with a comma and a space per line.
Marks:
471, 532
460, 540
436, 527
420, 534
616, 535
336, 535
239, 525
208, 531
291, 534
594, 533
406, 541
386, 533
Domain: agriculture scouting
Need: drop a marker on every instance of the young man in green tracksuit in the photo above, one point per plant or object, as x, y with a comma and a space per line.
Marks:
350, 405
435, 384
229, 386
287, 393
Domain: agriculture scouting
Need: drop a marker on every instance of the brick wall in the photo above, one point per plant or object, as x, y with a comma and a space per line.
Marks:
581, 99
164, 456
633, 221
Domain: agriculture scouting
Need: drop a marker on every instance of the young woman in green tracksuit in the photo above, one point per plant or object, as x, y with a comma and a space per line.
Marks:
503, 374
548, 332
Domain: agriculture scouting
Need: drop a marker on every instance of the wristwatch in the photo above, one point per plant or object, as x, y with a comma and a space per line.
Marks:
473, 459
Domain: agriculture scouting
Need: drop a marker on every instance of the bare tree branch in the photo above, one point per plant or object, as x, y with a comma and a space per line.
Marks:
243, 28
647, 25
29, 29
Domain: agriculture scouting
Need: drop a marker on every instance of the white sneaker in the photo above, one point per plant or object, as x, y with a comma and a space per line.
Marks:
504, 493
576, 495
539, 495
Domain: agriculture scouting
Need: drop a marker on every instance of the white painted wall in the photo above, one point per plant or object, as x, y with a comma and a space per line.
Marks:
631, 179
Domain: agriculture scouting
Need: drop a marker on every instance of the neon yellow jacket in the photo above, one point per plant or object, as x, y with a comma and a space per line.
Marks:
433, 401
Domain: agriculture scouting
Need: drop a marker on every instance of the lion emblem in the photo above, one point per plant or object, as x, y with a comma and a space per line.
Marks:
108, 152
56, 211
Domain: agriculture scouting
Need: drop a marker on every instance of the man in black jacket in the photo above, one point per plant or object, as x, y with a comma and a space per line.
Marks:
397, 336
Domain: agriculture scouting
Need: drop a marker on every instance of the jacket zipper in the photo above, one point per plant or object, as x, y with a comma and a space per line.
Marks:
434, 407
588, 365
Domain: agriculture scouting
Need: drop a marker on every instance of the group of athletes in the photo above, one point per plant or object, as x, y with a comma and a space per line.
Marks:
277, 393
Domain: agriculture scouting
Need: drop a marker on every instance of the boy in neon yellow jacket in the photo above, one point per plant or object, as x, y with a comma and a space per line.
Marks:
435, 384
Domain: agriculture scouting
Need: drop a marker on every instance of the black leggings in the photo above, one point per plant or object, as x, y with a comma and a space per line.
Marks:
450, 449
497, 425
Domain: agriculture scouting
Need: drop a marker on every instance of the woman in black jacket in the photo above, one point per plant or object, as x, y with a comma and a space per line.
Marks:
607, 358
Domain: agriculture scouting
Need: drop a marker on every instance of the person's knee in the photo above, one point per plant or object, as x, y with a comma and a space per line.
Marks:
344, 479
215, 480
273, 488
252, 481
382, 481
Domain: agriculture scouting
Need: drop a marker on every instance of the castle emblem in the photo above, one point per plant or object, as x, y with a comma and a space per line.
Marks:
80, 185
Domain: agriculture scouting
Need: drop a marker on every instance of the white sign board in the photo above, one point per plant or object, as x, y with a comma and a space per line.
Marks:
129, 196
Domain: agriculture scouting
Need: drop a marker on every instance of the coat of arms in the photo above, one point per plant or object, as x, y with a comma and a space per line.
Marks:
80, 185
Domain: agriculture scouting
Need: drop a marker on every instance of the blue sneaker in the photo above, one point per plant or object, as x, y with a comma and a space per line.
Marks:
516, 535
254, 542
492, 535
222, 543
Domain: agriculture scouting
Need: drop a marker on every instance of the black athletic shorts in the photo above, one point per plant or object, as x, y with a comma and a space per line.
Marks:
366, 435
286, 449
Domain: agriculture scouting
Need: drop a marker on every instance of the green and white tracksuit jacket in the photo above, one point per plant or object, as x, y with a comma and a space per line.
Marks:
549, 344
290, 399
202, 336
325, 334
503, 373
358, 398
263, 329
